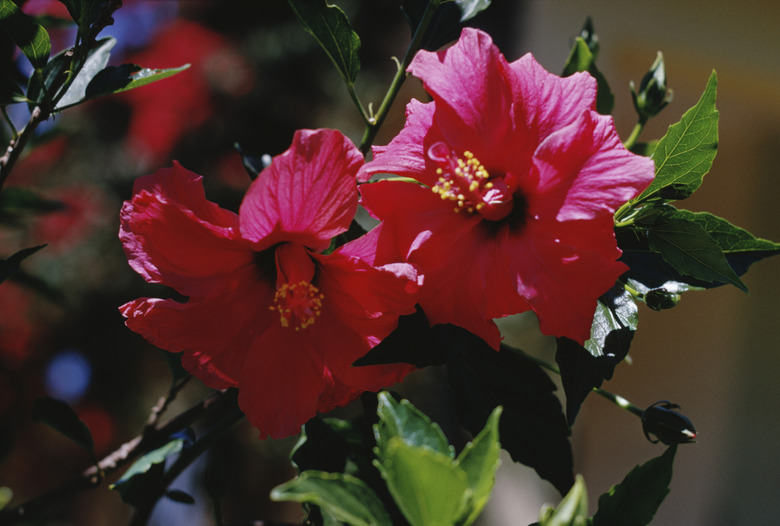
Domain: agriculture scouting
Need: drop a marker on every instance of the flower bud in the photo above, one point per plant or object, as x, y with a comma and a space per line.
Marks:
652, 96
668, 426
660, 299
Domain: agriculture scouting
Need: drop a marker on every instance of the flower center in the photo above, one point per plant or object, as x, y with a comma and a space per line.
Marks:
298, 304
465, 181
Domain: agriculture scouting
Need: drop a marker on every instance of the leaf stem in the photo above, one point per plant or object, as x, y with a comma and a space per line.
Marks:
638, 127
14, 132
614, 398
372, 127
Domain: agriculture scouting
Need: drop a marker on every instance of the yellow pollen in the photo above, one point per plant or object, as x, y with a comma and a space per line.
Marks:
461, 179
298, 304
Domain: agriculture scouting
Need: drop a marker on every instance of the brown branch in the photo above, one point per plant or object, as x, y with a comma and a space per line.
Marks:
93, 476
16, 146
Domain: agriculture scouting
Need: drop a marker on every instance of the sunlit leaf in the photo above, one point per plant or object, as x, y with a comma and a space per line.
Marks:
572, 510
116, 79
480, 460
5, 496
404, 421
428, 487
685, 154
471, 8
346, 498
636, 499
31, 37
60, 416
331, 28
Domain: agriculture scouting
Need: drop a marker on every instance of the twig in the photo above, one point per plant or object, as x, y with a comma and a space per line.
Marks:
16, 146
93, 476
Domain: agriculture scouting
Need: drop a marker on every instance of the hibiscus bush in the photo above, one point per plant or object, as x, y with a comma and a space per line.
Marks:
308, 296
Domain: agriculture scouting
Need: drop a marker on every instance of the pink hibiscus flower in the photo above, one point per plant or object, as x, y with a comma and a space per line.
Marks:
267, 312
520, 179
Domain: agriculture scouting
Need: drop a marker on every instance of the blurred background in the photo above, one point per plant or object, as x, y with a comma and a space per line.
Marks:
255, 78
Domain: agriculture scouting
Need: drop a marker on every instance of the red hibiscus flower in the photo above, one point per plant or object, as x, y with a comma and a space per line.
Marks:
520, 179
267, 312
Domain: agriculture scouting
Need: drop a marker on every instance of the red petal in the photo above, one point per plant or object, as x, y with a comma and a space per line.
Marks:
307, 195
215, 332
173, 235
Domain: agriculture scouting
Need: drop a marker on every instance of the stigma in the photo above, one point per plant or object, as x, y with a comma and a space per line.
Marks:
464, 180
298, 304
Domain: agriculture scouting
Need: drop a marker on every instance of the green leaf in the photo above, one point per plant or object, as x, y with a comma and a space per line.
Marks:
95, 62
533, 428
636, 499
480, 460
444, 27
116, 79
180, 496
740, 247
585, 367
689, 249
428, 488
59, 415
10, 92
404, 421
330, 27
685, 154
582, 58
572, 510
10, 266
31, 37
144, 476
346, 498
53, 75
471, 8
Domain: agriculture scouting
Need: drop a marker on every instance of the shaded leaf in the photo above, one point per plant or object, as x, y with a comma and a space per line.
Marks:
253, 164
636, 499
16, 199
404, 421
533, 428
582, 58
60, 416
480, 460
10, 266
324, 445
685, 154
428, 488
572, 510
10, 92
95, 62
330, 27
53, 75
585, 367
690, 250
180, 496
31, 37
444, 27
346, 498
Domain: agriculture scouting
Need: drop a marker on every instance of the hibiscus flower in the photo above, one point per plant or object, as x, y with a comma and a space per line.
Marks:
267, 311
520, 177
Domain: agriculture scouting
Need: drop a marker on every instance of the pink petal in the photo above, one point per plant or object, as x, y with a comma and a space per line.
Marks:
470, 84
307, 195
406, 154
584, 171
545, 102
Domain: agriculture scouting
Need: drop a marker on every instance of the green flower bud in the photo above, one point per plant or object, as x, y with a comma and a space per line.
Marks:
652, 96
668, 426
660, 299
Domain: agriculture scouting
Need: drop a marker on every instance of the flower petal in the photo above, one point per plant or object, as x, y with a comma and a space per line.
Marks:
470, 85
172, 235
584, 171
307, 195
214, 333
